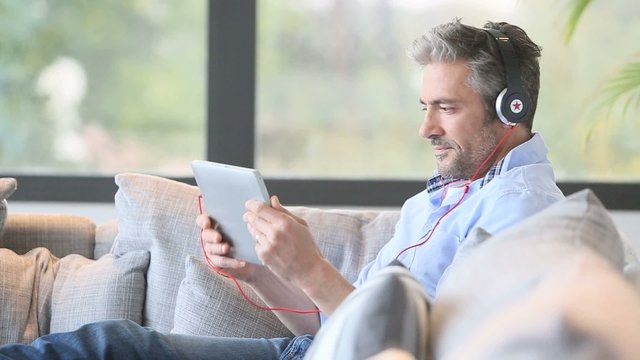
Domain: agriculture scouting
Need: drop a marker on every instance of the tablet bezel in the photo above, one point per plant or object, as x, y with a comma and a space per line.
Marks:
225, 189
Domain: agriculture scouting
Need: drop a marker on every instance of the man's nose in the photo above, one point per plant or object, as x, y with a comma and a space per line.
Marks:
430, 126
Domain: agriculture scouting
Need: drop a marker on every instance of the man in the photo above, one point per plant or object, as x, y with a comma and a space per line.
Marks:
491, 173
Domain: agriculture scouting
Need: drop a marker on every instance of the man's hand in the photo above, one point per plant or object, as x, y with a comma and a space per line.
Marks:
283, 241
218, 250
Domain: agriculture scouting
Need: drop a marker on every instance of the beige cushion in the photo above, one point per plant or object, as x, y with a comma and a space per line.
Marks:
210, 304
490, 278
40, 293
85, 290
26, 282
62, 234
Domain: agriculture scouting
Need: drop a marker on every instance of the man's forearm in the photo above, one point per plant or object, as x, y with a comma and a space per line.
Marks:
325, 286
275, 292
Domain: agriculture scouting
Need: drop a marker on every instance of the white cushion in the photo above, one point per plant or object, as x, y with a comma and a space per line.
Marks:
489, 279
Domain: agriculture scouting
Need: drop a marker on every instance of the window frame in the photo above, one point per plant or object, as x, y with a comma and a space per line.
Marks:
231, 79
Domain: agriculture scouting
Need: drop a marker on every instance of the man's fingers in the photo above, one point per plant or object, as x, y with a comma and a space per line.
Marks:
275, 203
226, 262
218, 249
211, 236
203, 221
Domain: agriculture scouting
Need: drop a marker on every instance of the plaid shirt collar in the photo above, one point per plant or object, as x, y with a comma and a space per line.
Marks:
437, 182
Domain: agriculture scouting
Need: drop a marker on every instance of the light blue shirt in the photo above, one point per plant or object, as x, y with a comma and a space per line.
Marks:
522, 184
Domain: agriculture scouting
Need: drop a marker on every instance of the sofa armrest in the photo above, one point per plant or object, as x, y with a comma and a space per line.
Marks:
62, 234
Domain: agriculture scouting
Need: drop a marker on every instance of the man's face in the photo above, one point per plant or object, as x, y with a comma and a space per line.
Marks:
454, 120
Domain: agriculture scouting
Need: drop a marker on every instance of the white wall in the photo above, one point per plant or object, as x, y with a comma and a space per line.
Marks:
627, 221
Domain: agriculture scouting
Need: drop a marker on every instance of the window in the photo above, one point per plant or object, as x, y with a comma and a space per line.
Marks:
102, 87
320, 96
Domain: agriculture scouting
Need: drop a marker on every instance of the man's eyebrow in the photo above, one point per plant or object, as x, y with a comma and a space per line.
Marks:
438, 101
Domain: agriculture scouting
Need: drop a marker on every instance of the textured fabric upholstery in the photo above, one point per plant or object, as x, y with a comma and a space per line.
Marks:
7, 187
60, 233
40, 293
210, 304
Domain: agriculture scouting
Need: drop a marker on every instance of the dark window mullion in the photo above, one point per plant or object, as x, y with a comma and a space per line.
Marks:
231, 82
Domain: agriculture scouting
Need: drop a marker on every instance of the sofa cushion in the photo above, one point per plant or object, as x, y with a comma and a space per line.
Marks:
349, 239
26, 282
582, 309
158, 215
85, 290
390, 311
7, 187
487, 277
210, 304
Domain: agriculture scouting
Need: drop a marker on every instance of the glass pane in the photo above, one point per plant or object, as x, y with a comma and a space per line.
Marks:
100, 87
338, 97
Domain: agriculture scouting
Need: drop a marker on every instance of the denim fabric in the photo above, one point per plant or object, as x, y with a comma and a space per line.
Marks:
124, 339
297, 348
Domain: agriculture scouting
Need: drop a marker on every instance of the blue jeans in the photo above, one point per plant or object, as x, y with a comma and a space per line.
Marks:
124, 339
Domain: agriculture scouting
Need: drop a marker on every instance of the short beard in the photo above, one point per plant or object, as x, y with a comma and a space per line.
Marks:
464, 165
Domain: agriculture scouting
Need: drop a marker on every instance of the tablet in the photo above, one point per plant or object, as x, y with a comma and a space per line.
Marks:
225, 189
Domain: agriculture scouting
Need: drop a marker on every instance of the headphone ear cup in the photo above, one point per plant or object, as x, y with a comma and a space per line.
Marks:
512, 107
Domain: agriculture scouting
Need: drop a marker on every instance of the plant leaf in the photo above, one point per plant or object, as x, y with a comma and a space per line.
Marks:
621, 91
577, 8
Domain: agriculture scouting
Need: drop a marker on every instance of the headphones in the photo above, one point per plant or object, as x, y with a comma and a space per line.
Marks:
513, 104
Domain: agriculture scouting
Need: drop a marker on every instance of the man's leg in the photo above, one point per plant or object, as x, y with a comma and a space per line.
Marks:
123, 339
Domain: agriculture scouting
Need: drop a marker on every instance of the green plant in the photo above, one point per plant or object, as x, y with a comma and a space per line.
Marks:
622, 90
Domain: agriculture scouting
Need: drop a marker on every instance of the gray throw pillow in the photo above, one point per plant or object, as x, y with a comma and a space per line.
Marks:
211, 305
390, 311
86, 290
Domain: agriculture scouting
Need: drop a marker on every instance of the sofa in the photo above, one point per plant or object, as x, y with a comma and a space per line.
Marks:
566, 277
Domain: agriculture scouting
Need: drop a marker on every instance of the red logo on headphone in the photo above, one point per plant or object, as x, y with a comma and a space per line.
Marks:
516, 106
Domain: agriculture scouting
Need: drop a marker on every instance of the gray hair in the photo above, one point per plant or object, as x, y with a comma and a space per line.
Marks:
449, 42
